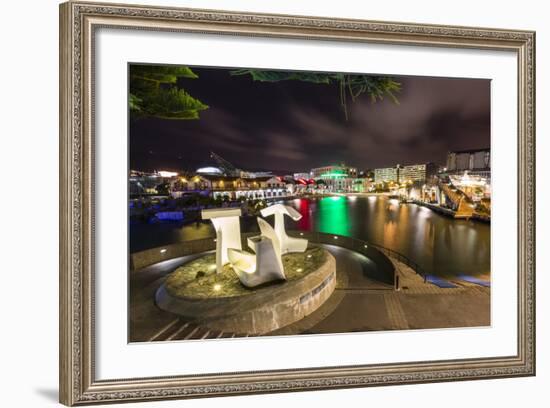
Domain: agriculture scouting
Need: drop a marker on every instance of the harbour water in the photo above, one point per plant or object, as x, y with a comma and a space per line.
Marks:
440, 245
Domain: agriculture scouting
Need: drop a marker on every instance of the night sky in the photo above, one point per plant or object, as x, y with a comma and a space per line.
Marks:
293, 126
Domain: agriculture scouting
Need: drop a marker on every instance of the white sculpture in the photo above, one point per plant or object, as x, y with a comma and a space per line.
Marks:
287, 244
228, 232
265, 265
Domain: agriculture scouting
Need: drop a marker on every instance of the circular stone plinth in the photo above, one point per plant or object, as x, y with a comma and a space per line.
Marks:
220, 302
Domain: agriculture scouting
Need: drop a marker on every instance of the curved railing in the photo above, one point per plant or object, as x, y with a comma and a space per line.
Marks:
377, 253
360, 246
384, 265
403, 259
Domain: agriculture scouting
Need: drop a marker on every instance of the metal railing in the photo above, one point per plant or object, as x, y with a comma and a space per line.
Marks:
403, 259
360, 246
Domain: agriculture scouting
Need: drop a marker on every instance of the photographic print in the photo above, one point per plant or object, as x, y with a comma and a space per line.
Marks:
267, 202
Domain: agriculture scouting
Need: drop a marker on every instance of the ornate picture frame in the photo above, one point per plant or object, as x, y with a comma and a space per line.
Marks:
78, 24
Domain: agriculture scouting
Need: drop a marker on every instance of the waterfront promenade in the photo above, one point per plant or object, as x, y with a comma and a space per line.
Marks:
359, 303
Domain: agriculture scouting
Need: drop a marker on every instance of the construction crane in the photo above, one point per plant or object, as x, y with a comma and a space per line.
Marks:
226, 167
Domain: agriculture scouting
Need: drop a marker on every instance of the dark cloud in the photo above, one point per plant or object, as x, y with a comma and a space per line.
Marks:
293, 126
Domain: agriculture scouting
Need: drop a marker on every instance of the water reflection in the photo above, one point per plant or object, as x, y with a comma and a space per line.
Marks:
303, 206
333, 216
442, 246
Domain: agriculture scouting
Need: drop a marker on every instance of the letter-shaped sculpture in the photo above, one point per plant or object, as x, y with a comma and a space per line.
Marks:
288, 244
265, 265
228, 232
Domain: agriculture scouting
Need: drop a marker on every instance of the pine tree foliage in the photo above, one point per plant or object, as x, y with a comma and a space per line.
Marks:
154, 93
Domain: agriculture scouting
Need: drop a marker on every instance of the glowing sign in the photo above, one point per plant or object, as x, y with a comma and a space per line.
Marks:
334, 174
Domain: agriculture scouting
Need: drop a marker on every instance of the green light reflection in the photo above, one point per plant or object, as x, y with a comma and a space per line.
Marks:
334, 216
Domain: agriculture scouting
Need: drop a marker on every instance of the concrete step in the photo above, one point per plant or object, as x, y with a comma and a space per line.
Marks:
179, 329
167, 331
188, 332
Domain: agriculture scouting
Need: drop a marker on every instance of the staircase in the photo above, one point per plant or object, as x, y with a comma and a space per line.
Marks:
464, 210
460, 203
180, 329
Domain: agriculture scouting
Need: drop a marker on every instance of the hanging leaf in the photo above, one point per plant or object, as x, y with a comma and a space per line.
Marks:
275, 76
349, 85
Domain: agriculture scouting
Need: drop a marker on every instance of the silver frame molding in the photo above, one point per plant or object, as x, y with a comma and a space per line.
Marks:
78, 22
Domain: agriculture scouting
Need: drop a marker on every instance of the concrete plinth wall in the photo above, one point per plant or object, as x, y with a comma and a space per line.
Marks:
139, 260
265, 310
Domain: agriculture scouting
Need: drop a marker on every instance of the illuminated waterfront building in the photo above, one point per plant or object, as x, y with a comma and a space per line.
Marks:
476, 161
140, 182
234, 188
417, 172
333, 171
302, 176
386, 174
474, 186
335, 178
361, 185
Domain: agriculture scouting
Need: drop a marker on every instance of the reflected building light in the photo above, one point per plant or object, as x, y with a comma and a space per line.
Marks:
163, 250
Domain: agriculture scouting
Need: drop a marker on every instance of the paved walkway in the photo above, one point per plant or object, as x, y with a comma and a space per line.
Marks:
361, 304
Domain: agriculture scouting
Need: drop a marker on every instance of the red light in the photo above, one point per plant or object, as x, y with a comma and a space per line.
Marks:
302, 181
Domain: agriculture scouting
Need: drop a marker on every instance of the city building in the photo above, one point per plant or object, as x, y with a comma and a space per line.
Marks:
143, 183
256, 188
232, 187
333, 171
386, 174
473, 186
417, 173
476, 161
335, 178
255, 174
303, 176
361, 185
